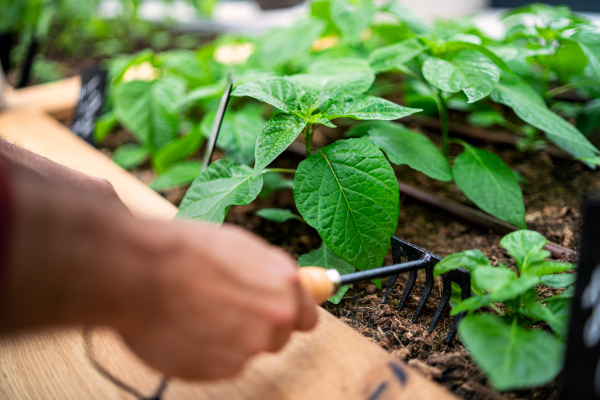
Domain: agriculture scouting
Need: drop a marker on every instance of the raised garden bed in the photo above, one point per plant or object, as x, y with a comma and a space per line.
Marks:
166, 102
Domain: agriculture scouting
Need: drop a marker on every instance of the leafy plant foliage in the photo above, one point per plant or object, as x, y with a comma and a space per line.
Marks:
512, 355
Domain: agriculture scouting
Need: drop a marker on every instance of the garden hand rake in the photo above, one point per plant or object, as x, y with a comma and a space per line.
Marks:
325, 283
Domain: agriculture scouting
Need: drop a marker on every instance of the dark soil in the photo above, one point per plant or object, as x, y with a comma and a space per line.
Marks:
553, 190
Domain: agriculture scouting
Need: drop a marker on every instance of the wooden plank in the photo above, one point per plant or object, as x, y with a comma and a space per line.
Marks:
330, 362
56, 98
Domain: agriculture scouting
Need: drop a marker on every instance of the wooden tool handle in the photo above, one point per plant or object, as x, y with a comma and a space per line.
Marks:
316, 281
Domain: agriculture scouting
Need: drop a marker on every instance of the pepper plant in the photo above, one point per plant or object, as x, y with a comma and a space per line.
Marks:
347, 190
510, 340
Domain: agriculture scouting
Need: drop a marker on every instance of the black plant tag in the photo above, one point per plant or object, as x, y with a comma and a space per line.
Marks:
581, 376
90, 102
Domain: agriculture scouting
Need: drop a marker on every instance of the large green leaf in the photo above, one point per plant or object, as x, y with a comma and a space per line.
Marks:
347, 84
395, 55
368, 108
490, 184
148, 109
531, 108
349, 193
513, 358
277, 134
277, 91
527, 247
282, 45
352, 17
179, 174
470, 71
218, 187
324, 257
403, 146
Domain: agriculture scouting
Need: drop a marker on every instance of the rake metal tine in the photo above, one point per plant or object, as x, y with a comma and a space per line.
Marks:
412, 277
446, 292
426, 293
389, 287
454, 327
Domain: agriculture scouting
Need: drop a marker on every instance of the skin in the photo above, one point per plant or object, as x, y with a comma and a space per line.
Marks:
192, 300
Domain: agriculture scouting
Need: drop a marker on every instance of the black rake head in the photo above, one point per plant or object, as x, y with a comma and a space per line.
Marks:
405, 253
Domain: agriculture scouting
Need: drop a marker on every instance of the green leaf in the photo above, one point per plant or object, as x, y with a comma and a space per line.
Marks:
348, 192
469, 71
352, 17
178, 175
469, 259
277, 91
178, 149
279, 46
492, 278
403, 146
393, 56
320, 119
512, 357
409, 17
569, 60
148, 110
277, 214
342, 85
274, 181
527, 248
485, 118
559, 280
239, 133
368, 108
549, 267
277, 134
490, 184
454, 46
218, 187
199, 94
531, 108
324, 257
130, 156
104, 125
510, 289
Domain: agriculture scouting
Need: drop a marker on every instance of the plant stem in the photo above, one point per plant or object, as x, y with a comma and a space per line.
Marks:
282, 170
565, 88
308, 140
443, 112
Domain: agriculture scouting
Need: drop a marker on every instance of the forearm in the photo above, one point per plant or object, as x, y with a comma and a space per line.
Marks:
72, 258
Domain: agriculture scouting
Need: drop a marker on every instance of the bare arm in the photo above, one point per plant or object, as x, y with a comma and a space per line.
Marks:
191, 300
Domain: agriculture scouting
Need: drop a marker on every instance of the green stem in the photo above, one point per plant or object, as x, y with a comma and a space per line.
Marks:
443, 112
282, 170
573, 85
308, 140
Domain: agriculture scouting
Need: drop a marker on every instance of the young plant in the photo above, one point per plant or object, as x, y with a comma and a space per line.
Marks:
447, 65
347, 191
511, 341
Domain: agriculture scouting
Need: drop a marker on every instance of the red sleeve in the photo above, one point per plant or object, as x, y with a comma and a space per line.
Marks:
6, 216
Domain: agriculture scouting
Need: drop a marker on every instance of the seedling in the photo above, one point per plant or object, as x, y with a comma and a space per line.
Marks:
499, 341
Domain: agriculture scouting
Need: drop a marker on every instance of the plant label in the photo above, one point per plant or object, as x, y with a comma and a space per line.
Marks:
90, 102
581, 376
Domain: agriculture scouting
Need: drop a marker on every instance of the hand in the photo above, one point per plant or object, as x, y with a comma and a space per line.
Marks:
192, 300
218, 297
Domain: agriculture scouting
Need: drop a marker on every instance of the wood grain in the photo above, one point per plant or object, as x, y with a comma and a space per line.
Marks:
56, 98
330, 362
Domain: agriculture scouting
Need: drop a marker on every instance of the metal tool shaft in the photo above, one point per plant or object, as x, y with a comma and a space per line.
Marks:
367, 275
